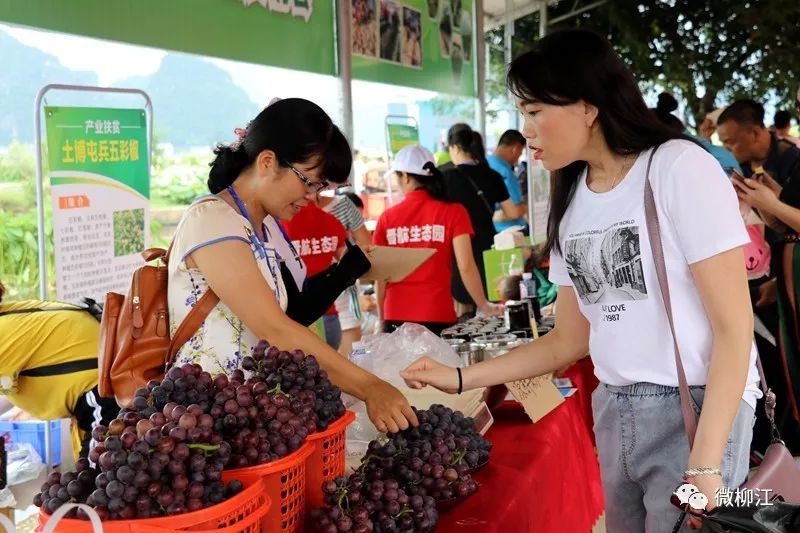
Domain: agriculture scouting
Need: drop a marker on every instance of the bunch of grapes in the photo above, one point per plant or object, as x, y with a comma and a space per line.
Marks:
434, 459
169, 463
69, 487
378, 506
441, 422
261, 423
295, 373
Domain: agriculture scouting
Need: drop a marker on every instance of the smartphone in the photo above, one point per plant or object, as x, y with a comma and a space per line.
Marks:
736, 175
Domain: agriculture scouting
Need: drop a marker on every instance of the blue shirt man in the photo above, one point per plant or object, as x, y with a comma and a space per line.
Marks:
509, 149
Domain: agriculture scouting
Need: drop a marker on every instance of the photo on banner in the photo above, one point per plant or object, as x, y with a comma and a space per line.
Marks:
446, 31
390, 31
365, 28
426, 44
412, 37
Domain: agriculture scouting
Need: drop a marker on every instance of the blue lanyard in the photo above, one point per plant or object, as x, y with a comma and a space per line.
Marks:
262, 251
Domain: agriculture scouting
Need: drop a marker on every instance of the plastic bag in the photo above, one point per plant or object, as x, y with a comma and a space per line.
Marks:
24, 463
386, 355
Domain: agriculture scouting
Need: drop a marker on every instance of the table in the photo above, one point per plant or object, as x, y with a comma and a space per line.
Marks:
542, 477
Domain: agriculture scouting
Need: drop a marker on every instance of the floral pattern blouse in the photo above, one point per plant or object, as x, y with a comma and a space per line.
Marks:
223, 339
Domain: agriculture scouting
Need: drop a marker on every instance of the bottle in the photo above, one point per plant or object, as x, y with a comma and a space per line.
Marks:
528, 292
515, 266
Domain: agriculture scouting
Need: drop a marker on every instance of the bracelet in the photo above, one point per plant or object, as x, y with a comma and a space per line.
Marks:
460, 382
702, 471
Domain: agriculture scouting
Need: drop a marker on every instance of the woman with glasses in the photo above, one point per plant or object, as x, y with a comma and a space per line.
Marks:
231, 242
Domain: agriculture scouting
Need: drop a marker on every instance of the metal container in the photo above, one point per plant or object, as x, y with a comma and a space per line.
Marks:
471, 353
492, 346
516, 315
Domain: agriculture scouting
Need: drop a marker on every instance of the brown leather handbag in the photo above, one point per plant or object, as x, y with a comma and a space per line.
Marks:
779, 472
135, 344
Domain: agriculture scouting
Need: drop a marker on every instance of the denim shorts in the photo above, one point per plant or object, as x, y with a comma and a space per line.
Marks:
643, 452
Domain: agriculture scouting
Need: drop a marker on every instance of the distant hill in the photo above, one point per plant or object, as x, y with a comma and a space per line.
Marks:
195, 102
23, 71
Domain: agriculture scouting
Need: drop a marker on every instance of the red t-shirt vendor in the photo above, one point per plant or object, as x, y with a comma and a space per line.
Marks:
426, 219
319, 238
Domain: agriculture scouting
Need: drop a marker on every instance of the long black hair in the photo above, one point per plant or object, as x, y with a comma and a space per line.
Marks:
434, 183
298, 131
566, 67
477, 149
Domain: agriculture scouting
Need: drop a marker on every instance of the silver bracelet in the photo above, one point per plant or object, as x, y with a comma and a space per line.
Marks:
702, 471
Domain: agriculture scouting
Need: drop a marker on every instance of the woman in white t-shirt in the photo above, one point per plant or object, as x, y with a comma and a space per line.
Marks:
232, 243
587, 122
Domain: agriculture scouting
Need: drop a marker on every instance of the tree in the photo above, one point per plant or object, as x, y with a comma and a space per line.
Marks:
705, 51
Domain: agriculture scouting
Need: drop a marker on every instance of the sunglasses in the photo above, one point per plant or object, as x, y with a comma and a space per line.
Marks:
311, 185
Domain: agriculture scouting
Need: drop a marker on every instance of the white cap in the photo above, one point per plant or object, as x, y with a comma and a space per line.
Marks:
411, 159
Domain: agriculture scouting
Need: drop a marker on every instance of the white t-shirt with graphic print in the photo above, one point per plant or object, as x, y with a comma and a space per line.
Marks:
223, 339
608, 260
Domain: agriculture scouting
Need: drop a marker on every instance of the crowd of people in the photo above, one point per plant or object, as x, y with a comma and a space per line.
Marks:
297, 255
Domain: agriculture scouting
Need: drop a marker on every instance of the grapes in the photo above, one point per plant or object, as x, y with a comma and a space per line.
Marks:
401, 478
385, 508
144, 459
300, 376
165, 455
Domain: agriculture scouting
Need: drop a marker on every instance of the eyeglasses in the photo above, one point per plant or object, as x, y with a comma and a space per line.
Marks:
311, 185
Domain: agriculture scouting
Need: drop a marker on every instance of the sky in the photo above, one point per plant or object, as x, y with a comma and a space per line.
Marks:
115, 61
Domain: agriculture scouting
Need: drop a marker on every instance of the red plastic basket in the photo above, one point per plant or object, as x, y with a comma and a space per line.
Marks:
285, 484
328, 460
244, 513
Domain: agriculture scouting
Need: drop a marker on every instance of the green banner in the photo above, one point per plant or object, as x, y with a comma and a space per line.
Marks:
427, 44
98, 160
400, 136
295, 34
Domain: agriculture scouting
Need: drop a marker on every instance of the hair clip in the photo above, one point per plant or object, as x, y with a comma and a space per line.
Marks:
240, 132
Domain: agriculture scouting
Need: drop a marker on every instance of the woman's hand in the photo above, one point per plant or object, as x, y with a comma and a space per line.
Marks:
490, 309
388, 409
710, 486
425, 371
758, 195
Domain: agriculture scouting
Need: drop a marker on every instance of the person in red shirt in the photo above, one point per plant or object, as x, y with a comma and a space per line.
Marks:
426, 219
319, 238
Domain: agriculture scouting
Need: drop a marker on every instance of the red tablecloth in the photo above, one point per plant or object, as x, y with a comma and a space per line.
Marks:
542, 477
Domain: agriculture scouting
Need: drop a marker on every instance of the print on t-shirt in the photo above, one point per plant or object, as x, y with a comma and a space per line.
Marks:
606, 266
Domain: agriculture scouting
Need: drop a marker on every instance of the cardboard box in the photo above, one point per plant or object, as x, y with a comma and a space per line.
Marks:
510, 238
390, 263
538, 395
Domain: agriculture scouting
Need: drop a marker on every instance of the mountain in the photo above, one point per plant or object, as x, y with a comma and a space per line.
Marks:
195, 102
23, 71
